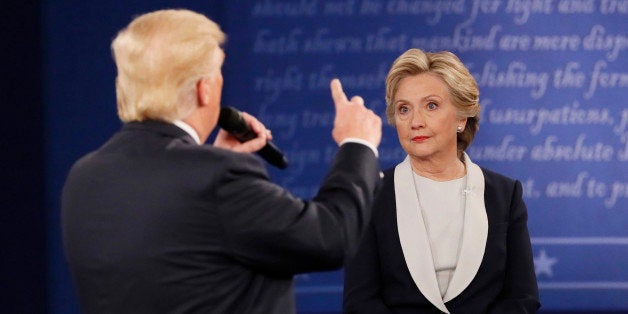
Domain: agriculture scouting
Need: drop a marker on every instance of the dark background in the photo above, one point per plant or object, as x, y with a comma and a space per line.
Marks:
58, 86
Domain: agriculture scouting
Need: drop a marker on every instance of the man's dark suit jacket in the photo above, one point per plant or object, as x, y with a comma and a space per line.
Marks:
154, 223
495, 272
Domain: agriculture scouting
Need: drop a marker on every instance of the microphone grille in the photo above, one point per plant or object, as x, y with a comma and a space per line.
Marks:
230, 119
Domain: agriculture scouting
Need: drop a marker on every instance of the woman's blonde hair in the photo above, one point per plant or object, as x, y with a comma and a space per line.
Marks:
462, 87
159, 57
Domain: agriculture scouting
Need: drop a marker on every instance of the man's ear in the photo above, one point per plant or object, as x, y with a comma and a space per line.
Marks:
202, 91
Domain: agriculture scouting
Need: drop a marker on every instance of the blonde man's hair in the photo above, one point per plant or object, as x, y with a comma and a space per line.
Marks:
463, 89
159, 57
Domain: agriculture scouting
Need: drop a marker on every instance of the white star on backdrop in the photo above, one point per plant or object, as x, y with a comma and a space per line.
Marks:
543, 264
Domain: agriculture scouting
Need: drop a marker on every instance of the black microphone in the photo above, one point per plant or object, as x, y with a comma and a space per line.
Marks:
231, 120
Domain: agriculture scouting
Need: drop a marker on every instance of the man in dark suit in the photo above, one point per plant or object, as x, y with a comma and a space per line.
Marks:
155, 222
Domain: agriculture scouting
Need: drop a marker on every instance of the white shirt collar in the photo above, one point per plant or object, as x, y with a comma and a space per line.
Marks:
188, 129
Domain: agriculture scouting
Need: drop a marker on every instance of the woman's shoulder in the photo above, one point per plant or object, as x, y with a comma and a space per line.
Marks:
496, 178
500, 187
384, 199
389, 175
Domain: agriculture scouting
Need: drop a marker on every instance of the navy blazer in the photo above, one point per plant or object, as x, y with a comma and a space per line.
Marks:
154, 223
392, 271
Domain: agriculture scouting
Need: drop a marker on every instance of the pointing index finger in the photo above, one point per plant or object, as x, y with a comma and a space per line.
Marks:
336, 92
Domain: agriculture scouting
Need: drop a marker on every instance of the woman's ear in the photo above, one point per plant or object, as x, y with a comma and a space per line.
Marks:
462, 124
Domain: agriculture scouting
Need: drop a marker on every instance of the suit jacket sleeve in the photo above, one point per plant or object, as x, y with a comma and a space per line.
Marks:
520, 291
270, 230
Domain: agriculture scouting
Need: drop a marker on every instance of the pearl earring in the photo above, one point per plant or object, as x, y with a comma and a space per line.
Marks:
459, 129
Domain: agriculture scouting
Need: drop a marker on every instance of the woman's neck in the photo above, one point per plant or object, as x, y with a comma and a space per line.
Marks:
439, 170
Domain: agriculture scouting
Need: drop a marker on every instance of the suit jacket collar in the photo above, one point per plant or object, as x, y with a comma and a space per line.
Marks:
415, 243
160, 127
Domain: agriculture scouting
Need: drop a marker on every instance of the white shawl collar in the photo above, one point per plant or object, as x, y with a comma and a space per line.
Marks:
415, 243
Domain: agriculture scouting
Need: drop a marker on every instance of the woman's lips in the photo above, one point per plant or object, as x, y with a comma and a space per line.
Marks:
420, 139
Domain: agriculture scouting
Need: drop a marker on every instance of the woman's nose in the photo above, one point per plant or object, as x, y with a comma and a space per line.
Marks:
417, 119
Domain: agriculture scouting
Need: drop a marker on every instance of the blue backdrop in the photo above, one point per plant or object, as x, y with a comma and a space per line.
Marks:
553, 78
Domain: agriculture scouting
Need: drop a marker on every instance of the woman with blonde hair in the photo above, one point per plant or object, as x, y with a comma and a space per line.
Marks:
446, 236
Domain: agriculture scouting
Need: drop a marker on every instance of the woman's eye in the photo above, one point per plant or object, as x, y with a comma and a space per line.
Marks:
403, 109
432, 106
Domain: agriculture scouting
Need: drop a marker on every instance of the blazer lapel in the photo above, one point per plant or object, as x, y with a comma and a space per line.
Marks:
474, 234
413, 236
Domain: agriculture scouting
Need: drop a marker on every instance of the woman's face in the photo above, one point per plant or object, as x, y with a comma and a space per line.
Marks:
425, 118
